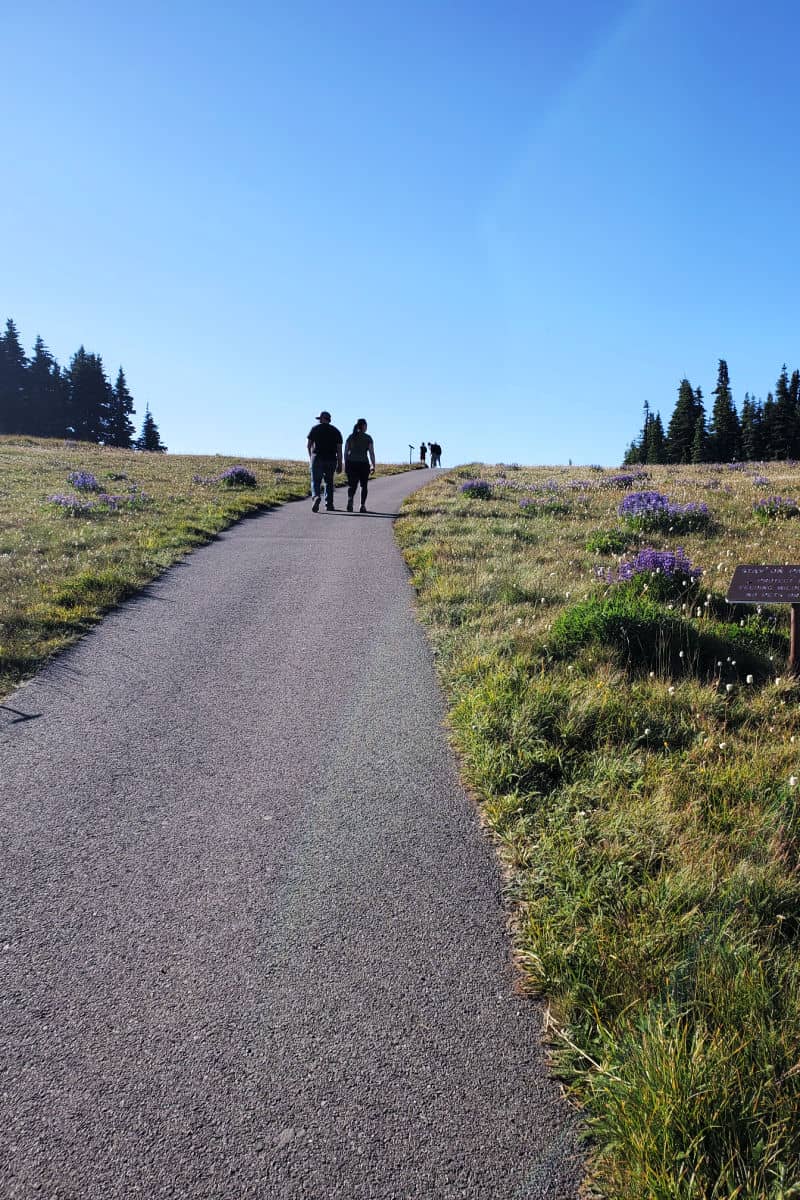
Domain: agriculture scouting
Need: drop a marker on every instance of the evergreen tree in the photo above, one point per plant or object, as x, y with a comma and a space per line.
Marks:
633, 455
794, 396
149, 438
699, 441
89, 397
784, 427
752, 432
47, 394
680, 431
768, 439
638, 448
13, 381
119, 426
655, 441
725, 432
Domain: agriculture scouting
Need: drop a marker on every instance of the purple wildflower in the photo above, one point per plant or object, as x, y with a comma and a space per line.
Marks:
776, 506
659, 562
84, 481
640, 504
238, 477
477, 489
71, 504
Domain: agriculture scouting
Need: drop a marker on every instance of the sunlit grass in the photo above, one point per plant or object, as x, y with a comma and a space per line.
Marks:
636, 752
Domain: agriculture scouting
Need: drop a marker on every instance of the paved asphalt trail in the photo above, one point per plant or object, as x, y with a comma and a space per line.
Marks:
251, 936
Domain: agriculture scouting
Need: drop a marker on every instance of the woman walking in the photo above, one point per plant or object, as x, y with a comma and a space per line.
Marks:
359, 453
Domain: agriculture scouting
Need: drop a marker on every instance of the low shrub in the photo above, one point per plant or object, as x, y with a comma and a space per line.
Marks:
84, 481
553, 506
642, 636
655, 511
666, 574
238, 477
477, 489
608, 541
776, 506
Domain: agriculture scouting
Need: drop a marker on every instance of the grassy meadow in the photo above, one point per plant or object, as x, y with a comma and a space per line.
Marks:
63, 565
634, 744
632, 740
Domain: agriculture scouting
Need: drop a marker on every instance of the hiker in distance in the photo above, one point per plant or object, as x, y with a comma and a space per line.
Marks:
359, 453
325, 453
423, 450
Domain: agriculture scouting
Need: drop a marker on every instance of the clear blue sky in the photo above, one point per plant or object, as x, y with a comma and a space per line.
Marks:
499, 225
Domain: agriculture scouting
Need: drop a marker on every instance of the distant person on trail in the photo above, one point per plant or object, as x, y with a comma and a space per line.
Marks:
423, 450
325, 453
436, 452
359, 453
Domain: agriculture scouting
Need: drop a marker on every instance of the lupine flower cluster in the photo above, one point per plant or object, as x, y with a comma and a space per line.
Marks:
654, 510
72, 505
673, 564
776, 506
624, 480
511, 485
760, 481
232, 477
546, 504
641, 504
477, 489
238, 477
84, 481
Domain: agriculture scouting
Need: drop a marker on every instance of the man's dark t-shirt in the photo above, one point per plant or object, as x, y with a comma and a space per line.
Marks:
326, 439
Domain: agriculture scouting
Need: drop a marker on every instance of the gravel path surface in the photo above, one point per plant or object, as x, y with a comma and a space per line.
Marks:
251, 935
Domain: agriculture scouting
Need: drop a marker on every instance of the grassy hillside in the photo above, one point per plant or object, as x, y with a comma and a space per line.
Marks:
635, 745
64, 563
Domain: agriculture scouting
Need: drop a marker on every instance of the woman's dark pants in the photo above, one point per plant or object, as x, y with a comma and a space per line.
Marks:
357, 473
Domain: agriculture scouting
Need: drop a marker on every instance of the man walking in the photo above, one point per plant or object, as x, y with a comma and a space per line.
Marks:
325, 453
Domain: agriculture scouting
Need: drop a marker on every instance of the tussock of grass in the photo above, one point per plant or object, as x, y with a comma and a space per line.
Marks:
635, 750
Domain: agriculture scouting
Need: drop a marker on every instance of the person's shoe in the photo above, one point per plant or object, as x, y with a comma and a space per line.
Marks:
315, 505
349, 505
363, 508
329, 508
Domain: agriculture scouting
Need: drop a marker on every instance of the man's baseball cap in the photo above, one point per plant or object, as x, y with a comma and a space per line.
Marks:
324, 416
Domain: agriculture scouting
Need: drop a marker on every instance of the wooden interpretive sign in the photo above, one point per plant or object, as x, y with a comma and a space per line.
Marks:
765, 585
770, 584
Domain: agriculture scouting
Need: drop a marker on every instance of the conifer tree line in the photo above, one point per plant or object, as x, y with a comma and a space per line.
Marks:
761, 431
40, 399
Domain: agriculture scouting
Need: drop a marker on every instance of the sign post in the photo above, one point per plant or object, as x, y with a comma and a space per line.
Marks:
770, 584
410, 452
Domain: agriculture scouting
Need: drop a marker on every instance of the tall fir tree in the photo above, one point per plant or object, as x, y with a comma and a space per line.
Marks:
13, 381
768, 438
47, 394
637, 451
654, 440
752, 433
89, 397
680, 431
784, 425
724, 431
149, 438
700, 441
119, 426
